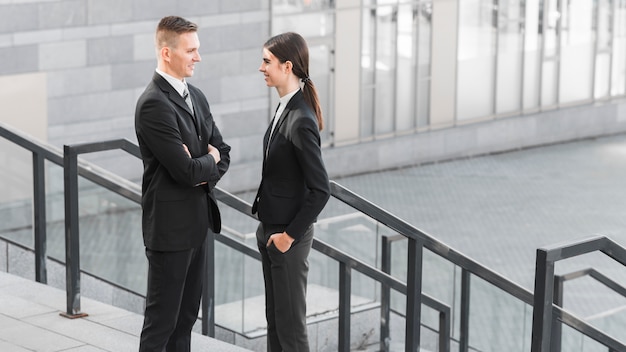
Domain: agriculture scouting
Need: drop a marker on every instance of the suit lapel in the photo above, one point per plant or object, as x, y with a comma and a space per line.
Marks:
174, 97
283, 117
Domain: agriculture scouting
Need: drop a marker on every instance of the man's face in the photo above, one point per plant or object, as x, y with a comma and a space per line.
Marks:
180, 61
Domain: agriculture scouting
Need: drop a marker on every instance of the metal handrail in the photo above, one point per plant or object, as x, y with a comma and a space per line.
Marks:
418, 238
545, 312
346, 262
559, 288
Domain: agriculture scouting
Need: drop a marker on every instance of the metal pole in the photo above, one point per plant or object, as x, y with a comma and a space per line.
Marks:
345, 288
72, 248
414, 295
39, 218
465, 310
385, 294
542, 303
444, 330
208, 289
557, 328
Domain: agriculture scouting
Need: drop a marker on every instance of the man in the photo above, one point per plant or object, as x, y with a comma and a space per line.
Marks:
184, 157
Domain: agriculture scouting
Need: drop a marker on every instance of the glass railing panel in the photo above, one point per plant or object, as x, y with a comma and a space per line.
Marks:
350, 231
429, 334
239, 300
498, 320
254, 297
440, 280
239, 290
111, 241
355, 234
16, 193
55, 212
574, 341
611, 322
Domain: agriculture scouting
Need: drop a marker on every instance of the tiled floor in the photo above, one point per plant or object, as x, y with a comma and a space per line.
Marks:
30, 321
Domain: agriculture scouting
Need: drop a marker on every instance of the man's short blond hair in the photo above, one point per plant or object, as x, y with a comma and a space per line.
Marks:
169, 30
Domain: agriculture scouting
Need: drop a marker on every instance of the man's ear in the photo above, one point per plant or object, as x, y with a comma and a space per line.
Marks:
165, 54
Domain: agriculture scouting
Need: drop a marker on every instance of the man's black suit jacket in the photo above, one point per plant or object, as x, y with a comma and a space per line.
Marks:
294, 185
178, 206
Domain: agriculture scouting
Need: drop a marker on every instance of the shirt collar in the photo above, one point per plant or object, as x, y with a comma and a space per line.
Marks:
174, 82
285, 98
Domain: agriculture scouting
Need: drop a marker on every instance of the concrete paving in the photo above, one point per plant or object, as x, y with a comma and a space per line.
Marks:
30, 321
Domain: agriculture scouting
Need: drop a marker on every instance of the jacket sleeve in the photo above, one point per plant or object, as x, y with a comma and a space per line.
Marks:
217, 141
306, 140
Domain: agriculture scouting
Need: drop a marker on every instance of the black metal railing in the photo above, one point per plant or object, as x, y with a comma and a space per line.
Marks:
545, 313
412, 289
417, 242
559, 290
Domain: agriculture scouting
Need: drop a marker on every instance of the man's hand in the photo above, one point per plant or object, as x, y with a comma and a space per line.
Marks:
215, 153
189, 155
186, 150
282, 241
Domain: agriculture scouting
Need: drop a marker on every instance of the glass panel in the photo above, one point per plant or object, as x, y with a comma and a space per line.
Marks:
611, 323
574, 341
423, 57
532, 32
577, 50
368, 64
16, 188
320, 69
55, 213
314, 20
603, 58
618, 70
498, 321
111, 242
549, 71
309, 25
385, 68
341, 226
407, 67
476, 59
509, 75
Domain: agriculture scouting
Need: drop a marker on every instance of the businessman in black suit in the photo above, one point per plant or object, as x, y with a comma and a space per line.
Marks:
184, 156
294, 189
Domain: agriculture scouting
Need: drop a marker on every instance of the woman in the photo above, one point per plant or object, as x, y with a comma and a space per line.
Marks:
294, 189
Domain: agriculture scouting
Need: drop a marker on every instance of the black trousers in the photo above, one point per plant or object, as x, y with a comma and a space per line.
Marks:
173, 299
285, 277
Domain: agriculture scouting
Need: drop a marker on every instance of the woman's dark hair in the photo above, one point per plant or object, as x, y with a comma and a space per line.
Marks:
292, 47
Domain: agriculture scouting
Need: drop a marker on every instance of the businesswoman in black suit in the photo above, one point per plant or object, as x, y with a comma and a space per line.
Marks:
294, 189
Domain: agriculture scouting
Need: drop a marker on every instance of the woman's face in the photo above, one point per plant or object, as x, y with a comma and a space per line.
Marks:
274, 71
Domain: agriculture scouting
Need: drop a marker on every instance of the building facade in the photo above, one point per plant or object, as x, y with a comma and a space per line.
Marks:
402, 82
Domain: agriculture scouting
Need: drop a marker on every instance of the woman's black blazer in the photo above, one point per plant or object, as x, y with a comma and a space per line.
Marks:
294, 185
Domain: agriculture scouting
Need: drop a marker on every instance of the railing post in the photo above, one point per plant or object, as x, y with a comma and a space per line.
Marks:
39, 217
345, 291
385, 294
208, 289
72, 248
414, 295
465, 311
444, 330
542, 303
557, 328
